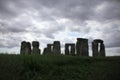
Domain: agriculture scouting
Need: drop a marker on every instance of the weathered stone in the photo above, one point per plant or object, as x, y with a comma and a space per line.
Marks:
78, 46
67, 49
98, 41
28, 48
56, 47
96, 46
102, 50
36, 49
50, 48
23, 45
70, 49
72, 52
84, 50
82, 47
45, 51
25, 48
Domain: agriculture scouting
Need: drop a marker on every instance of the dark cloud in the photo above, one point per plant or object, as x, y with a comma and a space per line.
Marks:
11, 8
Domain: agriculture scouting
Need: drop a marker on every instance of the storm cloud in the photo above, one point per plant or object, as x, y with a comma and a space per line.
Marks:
64, 20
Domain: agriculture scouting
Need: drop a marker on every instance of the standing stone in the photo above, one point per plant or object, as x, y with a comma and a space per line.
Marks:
49, 48
23, 45
36, 49
84, 50
102, 50
67, 49
82, 47
56, 47
28, 48
78, 46
72, 52
96, 46
45, 51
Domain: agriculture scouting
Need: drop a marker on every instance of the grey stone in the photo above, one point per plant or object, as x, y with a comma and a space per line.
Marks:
28, 48
50, 48
25, 48
72, 52
69, 49
56, 47
35, 49
45, 51
102, 50
95, 47
82, 47
22, 49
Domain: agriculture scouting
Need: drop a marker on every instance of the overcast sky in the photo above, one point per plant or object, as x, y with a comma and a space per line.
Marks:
63, 20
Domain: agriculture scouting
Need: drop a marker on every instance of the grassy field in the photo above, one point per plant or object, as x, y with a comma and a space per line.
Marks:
58, 67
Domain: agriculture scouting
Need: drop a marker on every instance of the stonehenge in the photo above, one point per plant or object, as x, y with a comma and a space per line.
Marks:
56, 47
26, 48
45, 51
80, 48
22, 49
70, 49
35, 49
48, 49
98, 47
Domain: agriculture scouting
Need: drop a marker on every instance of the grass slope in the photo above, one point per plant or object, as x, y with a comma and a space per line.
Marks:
58, 67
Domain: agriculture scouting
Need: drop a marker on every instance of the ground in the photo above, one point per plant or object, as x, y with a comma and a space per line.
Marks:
58, 67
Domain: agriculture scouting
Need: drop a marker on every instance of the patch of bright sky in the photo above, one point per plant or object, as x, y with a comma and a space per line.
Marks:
62, 20
101, 7
15, 50
112, 51
30, 37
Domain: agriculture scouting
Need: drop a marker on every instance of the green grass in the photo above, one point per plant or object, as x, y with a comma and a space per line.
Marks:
58, 67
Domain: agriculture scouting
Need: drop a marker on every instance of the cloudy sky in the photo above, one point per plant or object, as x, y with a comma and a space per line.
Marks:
63, 20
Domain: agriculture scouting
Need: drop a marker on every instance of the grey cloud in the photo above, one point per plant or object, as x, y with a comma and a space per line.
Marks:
109, 11
9, 41
12, 27
11, 8
52, 30
111, 34
77, 10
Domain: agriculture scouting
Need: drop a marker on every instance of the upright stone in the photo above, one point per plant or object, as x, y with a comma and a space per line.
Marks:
102, 50
98, 50
67, 49
72, 50
45, 51
56, 47
78, 47
28, 48
95, 48
22, 49
82, 47
36, 49
49, 48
